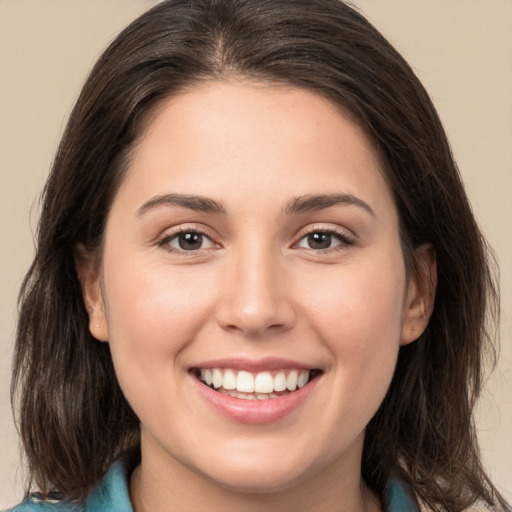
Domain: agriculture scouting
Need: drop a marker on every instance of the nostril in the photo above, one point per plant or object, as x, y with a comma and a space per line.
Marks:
253, 324
254, 308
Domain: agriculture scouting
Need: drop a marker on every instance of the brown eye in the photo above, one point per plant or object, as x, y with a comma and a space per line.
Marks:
190, 241
187, 241
319, 240
324, 240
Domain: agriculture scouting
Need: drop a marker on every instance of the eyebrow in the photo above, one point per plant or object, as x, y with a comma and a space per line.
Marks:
299, 204
189, 201
309, 203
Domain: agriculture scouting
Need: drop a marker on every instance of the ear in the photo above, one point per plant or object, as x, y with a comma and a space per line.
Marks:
421, 290
88, 273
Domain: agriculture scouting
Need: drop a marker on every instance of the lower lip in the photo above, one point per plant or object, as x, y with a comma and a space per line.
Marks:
255, 412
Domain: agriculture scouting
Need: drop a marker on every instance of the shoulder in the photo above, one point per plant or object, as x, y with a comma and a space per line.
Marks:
110, 494
399, 498
34, 503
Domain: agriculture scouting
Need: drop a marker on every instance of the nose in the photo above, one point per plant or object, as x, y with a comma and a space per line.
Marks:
255, 295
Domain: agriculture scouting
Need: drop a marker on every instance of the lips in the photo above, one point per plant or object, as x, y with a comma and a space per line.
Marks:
249, 392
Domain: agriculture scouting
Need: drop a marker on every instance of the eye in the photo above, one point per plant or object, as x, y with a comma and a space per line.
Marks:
324, 239
189, 240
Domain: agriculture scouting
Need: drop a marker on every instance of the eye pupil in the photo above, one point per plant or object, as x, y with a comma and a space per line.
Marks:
190, 241
319, 240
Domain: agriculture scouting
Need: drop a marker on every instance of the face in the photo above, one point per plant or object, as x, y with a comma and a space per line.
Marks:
252, 288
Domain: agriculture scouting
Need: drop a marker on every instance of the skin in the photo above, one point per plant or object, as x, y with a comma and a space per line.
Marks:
254, 289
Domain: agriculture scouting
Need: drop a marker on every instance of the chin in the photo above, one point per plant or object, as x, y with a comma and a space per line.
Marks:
273, 473
259, 481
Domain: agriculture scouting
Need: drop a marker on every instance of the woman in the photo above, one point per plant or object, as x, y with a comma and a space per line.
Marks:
258, 283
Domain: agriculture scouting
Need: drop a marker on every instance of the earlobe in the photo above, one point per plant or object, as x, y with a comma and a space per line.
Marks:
89, 278
421, 290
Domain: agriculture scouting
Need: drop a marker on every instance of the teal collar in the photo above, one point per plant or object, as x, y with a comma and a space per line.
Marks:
111, 495
399, 497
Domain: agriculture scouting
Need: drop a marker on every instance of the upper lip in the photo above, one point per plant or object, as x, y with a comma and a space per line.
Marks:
255, 365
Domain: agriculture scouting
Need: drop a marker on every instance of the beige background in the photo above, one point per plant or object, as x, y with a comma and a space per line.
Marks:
461, 49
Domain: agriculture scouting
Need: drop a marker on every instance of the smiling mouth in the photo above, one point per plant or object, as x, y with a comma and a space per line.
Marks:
263, 385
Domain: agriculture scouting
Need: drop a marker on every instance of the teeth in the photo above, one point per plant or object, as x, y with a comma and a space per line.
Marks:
303, 379
245, 382
262, 385
280, 382
291, 380
250, 396
229, 380
217, 378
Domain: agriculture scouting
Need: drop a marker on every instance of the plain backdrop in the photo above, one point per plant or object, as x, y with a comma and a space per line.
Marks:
460, 49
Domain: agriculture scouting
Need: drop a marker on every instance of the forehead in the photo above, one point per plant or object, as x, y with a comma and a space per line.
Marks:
250, 138
243, 109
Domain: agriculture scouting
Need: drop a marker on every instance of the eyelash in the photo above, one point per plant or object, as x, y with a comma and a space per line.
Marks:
343, 238
164, 242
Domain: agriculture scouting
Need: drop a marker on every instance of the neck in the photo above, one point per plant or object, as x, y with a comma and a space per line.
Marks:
169, 486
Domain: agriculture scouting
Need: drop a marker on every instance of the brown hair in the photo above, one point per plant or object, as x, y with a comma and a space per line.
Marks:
74, 420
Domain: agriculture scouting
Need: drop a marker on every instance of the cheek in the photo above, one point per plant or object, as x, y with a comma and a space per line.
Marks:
360, 324
359, 319
152, 316
360, 308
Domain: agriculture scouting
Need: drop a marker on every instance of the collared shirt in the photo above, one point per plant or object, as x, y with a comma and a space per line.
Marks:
111, 495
